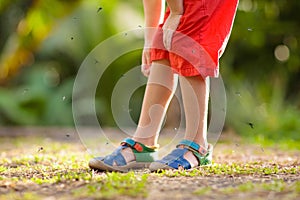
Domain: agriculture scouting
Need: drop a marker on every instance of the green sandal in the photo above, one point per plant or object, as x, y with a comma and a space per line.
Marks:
144, 156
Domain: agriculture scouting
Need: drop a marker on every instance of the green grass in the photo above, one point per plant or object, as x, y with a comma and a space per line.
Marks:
60, 170
114, 185
22, 196
254, 168
274, 186
247, 189
60, 165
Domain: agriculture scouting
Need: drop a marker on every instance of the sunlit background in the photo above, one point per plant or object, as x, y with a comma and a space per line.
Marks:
43, 43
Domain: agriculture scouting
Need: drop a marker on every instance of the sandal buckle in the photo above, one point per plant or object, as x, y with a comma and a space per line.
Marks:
138, 147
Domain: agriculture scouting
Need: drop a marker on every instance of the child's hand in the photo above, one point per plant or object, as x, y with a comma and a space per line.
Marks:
169, 28
146, 62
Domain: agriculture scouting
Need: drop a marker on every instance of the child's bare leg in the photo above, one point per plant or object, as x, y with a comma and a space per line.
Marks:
159, 91
195, 94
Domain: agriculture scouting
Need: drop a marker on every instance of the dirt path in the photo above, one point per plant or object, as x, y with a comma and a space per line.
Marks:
54, 166
240, 172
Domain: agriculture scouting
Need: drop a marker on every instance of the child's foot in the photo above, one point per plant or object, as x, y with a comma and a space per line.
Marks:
187, 155
129, 155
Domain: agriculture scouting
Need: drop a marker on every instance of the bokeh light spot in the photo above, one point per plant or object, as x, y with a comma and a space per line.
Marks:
282, 53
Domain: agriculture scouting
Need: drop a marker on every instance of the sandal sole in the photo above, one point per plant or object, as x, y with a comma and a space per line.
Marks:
156, 166
100, 165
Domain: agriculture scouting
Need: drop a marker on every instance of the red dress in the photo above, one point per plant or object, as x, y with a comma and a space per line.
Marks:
200, 38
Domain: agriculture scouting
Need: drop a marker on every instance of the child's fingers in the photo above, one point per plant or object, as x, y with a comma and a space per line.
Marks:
146, 62
169, 28
167, 38
146, 71
146, 56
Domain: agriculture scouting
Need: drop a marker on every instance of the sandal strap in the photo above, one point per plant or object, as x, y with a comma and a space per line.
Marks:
203, 156
176, 159
141, 152
139, 147
116, 157
193, 146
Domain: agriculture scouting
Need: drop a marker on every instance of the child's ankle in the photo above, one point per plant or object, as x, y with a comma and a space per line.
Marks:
147, 142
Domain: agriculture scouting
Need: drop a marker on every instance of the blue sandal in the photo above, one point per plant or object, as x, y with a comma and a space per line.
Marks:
176, 160
116, 161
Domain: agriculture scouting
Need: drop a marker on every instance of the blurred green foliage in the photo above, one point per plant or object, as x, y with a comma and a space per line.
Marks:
260, 68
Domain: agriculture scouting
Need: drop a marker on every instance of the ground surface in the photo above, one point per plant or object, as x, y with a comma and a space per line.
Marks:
52, 164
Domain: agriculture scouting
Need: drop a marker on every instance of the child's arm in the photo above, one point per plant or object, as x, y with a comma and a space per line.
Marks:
171, 24
153, 11
176, 6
